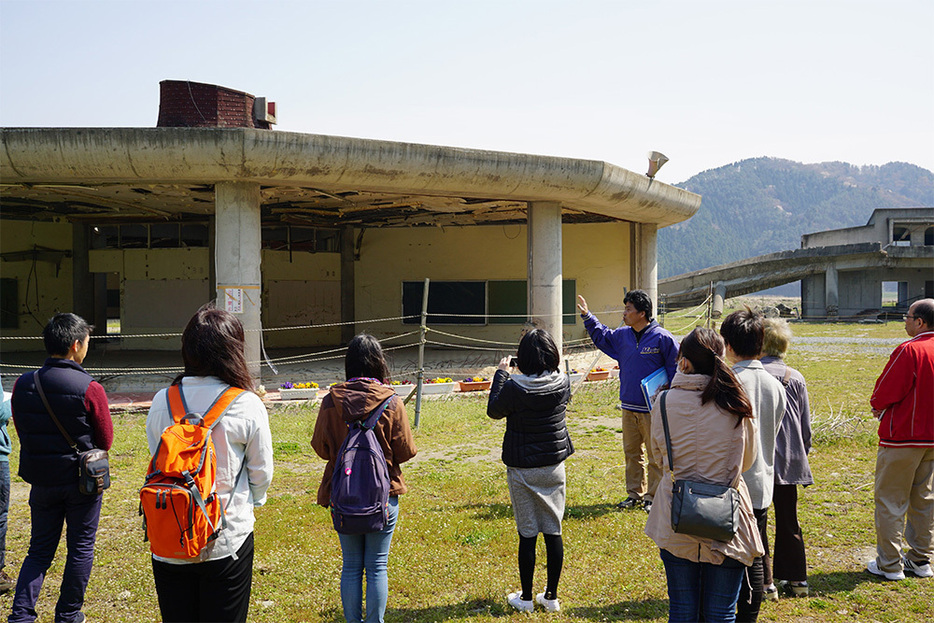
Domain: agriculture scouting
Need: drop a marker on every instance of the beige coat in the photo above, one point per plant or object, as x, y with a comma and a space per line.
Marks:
708, 446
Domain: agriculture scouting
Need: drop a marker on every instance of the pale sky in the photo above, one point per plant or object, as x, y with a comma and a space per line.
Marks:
705, 82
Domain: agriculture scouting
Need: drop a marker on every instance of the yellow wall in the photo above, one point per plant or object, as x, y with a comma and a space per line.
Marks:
43, 288
301, 289
596, 255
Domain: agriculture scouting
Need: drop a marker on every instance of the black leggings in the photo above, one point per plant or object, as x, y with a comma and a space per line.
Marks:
554, 551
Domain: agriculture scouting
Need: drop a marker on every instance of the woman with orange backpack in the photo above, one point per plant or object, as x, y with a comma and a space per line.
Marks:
212, 400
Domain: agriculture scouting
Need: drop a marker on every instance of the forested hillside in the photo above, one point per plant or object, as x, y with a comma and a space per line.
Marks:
763, 205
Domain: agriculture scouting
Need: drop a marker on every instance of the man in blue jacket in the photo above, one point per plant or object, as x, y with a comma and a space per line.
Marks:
640, 348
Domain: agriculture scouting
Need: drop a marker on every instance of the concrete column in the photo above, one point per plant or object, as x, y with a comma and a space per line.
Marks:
831, 294
544, 272
719, 294
348, 300
237, 258
644, 258
82, 282
212, 248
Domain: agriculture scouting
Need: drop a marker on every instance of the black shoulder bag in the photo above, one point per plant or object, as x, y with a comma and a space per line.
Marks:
699, 508
93, 464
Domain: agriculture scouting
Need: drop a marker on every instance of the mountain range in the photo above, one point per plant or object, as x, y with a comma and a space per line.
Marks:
764, 205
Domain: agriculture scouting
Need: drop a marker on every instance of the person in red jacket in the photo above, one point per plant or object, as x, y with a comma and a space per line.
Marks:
903, 401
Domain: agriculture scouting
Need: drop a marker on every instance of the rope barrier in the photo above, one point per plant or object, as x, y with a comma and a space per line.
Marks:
128, 336
470, 339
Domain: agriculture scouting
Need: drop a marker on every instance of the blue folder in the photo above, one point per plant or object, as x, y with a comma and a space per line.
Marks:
652, 382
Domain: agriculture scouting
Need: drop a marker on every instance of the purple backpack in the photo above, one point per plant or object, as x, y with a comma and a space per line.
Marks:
360, 483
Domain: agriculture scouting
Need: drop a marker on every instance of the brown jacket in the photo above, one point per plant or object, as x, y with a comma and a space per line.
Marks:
709, 447
351, 401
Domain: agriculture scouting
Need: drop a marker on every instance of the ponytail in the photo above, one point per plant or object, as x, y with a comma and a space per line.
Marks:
727, 391
704, 349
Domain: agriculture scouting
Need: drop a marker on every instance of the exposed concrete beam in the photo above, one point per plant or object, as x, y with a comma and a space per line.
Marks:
209, 155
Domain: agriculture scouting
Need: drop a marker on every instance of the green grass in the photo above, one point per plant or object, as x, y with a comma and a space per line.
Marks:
454, 550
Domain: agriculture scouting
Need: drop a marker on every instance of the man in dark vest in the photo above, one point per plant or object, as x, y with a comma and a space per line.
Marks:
50, 466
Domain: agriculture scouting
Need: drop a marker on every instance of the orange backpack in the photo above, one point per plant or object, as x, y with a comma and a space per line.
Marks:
181, 509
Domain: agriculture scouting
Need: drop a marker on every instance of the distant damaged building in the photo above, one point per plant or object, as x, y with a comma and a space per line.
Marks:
901, 263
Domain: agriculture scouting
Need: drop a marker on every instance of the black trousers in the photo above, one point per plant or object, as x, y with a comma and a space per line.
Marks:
758, 576
216, 590
790, 561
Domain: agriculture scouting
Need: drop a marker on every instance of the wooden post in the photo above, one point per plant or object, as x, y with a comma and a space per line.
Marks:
420, 375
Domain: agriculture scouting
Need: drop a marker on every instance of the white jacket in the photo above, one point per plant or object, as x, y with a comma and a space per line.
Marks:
767, 396
244, 457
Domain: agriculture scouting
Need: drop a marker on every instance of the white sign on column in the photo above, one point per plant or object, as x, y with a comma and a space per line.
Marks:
233, 300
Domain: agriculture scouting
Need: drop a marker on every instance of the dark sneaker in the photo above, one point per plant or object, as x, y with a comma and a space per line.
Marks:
628, 503
647, 507
920, 569
795, 589
6, 583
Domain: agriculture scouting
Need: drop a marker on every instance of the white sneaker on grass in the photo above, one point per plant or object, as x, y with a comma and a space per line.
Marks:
873, 568
551, 605
515, 600
922, 570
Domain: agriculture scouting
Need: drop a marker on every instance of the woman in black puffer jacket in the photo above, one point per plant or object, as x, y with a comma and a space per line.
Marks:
535, 445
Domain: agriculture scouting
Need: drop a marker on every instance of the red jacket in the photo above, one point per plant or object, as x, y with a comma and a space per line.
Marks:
905, 391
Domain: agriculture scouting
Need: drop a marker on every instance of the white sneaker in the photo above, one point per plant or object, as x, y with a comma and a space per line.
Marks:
551, 605
873, 568
922, 570
515, 600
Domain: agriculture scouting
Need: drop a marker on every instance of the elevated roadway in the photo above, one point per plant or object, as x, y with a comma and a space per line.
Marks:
774, 269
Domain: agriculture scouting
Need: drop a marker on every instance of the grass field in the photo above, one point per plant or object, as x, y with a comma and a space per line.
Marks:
454, 550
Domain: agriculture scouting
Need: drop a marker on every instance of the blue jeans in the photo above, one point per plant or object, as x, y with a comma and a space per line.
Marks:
4, 508
369, 552
696, 588
51, 508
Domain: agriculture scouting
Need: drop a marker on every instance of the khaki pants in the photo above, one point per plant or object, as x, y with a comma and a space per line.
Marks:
904, 490
637, 432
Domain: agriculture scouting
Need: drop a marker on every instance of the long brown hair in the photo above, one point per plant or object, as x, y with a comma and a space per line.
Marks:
212, 345
704, 349
365, 358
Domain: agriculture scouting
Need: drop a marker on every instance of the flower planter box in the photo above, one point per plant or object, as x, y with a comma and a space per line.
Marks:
438, 388
474, 386
602, 375
576, 377
298, 394
614, 373
403, 390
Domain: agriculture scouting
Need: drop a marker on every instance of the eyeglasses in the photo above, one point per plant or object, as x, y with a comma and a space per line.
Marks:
907, 316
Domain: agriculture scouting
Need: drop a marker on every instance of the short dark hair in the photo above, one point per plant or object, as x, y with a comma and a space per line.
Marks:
743, 332
62, 331
213, 345
641, 301
365, 358
924, 309
537, 353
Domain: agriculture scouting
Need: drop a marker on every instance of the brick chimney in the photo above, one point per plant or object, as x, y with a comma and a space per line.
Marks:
184, 104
